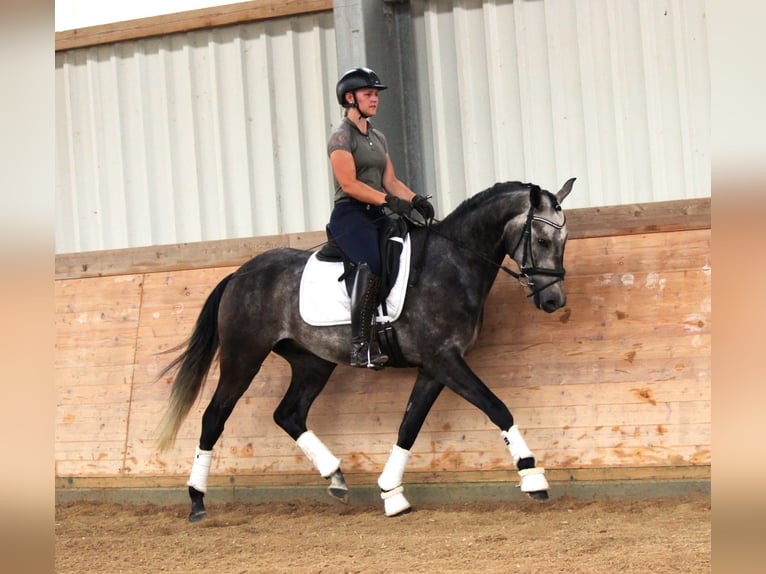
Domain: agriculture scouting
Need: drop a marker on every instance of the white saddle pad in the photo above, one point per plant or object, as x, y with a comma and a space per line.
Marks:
324, 301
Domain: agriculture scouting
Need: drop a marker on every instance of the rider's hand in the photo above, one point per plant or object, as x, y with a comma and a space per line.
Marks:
398, 205
423, 207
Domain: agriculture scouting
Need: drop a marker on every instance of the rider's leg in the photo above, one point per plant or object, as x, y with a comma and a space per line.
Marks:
355, 228
365, 351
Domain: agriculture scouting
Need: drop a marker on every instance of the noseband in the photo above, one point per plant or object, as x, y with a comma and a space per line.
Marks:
528, 266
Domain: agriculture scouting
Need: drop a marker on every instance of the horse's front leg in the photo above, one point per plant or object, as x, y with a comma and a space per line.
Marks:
422, 398
325, 462
459, 377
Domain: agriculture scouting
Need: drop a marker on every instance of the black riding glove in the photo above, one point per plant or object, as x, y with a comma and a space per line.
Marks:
398, 205
423, 207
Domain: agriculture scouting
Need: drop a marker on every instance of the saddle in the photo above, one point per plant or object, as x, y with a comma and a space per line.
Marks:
390, 255
392, 241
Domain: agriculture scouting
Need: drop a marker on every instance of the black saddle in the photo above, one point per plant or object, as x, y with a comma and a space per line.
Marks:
390, 252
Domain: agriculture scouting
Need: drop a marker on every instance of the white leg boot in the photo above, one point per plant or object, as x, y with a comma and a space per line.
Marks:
200, 470
532, 479
321, 457
390, 482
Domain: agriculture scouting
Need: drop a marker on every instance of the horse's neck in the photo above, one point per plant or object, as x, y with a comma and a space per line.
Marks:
482, 231
476, 239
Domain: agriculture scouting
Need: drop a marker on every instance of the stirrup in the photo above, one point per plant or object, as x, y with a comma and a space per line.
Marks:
361, 356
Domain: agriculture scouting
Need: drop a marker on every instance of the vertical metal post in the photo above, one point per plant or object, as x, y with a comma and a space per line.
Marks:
379, 34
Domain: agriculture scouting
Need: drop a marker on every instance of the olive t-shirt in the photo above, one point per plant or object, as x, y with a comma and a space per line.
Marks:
370, 154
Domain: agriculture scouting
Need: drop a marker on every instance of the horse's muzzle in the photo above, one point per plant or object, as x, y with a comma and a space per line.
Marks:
550, 299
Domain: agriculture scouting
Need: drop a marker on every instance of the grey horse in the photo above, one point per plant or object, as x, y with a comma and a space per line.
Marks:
254, 311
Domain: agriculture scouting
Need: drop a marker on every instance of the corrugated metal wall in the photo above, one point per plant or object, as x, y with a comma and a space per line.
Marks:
206, 135
221, 133
615, 93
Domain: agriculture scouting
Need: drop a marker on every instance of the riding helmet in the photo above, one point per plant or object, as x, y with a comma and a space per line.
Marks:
356, 79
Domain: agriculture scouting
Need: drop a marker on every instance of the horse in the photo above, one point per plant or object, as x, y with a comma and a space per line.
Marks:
255, 311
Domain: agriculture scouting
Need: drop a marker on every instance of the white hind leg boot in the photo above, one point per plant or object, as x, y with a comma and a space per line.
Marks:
200, 470
532, 479
390, 482
324, 461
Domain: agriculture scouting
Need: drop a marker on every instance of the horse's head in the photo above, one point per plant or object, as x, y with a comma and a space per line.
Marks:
536, 242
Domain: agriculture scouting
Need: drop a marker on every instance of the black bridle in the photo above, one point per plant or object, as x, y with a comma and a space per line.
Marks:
528, 267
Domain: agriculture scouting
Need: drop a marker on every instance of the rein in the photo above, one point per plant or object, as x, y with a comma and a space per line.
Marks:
525, 270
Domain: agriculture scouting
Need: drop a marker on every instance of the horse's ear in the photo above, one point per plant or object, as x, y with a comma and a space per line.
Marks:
565, 189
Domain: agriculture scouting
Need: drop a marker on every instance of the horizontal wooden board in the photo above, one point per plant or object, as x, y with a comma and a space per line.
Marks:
92, 423
610, 221
234, 458
85, 467
241, 480
93, 394
541, 406
631, 219
329, 422
392, 396
69, 379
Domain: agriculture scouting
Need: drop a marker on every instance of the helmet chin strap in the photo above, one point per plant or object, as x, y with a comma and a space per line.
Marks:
355, 105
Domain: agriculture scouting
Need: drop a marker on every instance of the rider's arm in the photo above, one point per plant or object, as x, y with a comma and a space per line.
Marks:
344, 168
393, 184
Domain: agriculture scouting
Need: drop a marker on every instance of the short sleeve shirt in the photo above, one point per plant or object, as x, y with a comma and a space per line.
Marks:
369, 150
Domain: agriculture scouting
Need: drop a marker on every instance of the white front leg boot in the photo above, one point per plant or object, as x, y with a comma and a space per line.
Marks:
324, 461
532, 479
390, 482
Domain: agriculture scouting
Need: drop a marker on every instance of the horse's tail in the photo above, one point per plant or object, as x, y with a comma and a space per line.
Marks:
193, 365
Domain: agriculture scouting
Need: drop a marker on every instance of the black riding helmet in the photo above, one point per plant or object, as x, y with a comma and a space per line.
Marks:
356, 79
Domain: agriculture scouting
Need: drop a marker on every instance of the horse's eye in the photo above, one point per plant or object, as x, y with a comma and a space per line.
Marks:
543, 242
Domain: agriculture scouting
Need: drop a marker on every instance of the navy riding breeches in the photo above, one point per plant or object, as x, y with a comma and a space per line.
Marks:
355, 227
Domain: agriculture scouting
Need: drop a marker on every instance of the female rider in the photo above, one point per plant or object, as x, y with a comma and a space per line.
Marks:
365, 182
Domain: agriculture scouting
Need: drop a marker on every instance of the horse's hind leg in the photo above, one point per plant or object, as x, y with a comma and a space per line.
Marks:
424, 393
234, 380
309, 376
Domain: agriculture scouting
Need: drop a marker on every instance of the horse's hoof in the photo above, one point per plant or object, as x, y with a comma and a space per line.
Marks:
197, 515
401, 512
339, 494
540, 495
533, 483
197, 505
394, 502
338, 488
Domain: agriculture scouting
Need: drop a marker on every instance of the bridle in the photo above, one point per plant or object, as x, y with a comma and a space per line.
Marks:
528, 267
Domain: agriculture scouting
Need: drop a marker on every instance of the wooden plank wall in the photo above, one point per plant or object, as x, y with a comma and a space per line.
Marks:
616, 385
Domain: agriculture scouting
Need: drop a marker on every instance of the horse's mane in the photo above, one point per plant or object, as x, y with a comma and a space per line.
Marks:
471, 203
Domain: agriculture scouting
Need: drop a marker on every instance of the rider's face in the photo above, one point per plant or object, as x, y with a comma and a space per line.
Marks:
367, 100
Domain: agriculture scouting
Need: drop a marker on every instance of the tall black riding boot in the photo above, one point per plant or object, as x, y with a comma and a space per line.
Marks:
365, 351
